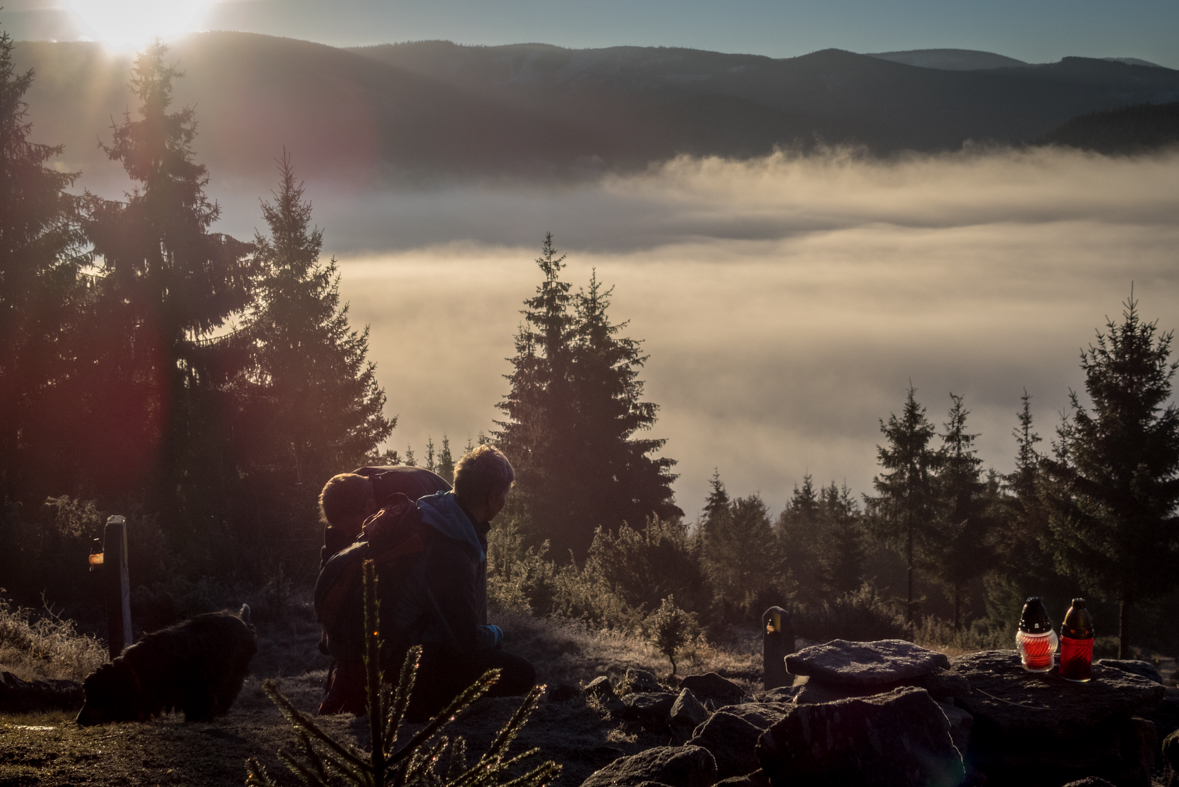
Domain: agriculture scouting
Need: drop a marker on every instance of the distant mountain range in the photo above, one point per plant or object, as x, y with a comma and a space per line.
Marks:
427, 109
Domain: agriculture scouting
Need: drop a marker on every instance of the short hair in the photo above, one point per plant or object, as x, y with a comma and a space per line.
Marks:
344, 495
481, 472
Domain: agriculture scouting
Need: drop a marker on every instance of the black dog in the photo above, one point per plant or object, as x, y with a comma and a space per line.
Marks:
197, 666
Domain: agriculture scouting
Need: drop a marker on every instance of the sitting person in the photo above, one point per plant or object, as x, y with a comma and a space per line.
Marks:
348, 499
441, 604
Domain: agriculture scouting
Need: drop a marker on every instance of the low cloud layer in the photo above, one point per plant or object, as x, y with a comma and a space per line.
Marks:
785, 303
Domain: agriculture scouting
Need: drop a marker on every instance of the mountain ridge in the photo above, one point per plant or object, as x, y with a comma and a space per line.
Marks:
438, 109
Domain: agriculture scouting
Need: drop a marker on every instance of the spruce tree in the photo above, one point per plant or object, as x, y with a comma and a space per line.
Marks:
903, 513
717, 504
798, 530
961, 539
1020, 540
536, 434
317, 406
1113, 487
446, 461
744, 561
41, 251
572, 415
168, 285
841, 550
620, 480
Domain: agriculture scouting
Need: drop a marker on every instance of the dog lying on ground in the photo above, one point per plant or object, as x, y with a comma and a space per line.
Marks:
197, 667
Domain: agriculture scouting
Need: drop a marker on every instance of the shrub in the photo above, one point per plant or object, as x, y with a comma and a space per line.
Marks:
937, 634
45, 645
861, 616
669, 628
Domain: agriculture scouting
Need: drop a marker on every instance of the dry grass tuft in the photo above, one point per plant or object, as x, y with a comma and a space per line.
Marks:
39, 645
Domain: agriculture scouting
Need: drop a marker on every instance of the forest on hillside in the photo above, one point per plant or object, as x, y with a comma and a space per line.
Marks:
207, 386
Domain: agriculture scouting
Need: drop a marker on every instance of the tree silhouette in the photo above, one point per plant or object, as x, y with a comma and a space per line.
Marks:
744, 560
903, 514
41, 251
312, 403
841, 551
799, 531
168, 285
961, 538
1113, 488
572, 414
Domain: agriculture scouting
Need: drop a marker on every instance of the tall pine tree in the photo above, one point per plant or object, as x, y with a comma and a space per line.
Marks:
798, 530
1113, 489
571, 418
841, 551
168, 285
903, 514
961, 539
319, 408
41, 251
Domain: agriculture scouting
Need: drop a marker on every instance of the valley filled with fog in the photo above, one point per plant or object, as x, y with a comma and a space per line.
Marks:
785, 303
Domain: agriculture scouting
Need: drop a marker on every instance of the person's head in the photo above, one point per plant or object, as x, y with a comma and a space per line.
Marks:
346, 500
482, 479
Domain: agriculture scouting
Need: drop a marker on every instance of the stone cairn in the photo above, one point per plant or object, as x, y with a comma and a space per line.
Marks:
893, 714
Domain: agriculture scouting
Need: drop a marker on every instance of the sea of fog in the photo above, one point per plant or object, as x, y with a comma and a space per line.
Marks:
786, 304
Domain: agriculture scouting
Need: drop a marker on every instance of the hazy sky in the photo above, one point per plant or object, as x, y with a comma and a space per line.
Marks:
1031, 30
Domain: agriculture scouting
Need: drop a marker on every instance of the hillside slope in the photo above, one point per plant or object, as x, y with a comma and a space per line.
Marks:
429, 109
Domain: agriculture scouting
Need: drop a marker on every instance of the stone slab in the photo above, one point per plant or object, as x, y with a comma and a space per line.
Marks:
865, 663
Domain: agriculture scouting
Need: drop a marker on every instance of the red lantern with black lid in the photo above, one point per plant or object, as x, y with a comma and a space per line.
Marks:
1076, 643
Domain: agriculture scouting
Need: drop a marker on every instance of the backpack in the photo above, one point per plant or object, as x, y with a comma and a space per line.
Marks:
394, 538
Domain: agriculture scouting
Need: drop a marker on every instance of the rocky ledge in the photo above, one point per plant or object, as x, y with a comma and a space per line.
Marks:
893, 714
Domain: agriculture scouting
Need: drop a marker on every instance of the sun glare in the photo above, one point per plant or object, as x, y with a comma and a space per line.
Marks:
130, 24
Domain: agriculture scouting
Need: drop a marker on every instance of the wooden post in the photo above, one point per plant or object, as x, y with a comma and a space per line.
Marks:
117, 585
777, 642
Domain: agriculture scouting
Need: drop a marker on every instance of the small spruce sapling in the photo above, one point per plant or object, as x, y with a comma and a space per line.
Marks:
428, 758
669, 628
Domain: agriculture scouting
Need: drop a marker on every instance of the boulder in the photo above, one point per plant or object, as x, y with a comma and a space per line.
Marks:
731, 740
1035, 728
897, 739
711, 686
638, 680
649, 708
1171, 750
680, 766
1044, 706
687, 713
960, 724
1143, 669
865, 663
562, 692
1091, 781
731, 734
781, 694
602, 693
814, 692
943, 685
755, 779
599, 687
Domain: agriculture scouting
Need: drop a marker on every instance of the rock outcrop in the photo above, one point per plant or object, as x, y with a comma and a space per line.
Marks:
1037, 728
894, 714
675, 766
898, 739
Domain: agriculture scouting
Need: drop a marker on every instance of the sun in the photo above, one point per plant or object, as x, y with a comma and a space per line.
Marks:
130, 24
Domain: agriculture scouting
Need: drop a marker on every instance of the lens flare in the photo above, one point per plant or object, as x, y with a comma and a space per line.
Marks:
123, 25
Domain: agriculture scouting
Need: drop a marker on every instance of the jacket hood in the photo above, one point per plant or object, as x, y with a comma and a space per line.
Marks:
442, 512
